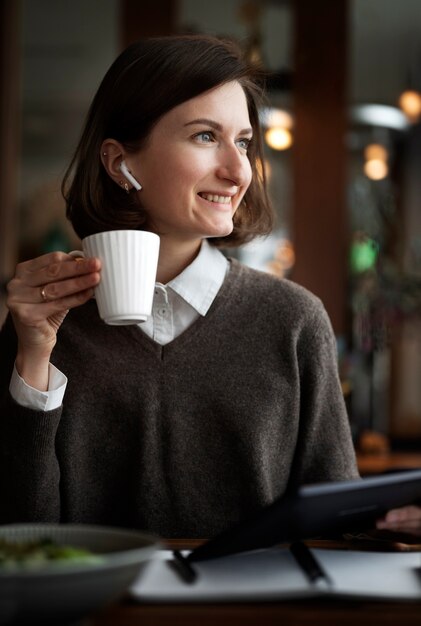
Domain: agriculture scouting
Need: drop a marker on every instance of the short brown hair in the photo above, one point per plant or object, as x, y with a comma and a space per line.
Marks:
147, 80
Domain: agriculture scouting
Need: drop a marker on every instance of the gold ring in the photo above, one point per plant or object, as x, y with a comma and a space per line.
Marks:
43, 294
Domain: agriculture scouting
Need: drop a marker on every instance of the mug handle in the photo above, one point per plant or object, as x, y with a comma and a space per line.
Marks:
77, 254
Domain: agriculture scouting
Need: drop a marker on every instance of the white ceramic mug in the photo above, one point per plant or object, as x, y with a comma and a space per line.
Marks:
129, 261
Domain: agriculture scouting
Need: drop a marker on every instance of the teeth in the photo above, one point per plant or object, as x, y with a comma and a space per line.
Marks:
213, 198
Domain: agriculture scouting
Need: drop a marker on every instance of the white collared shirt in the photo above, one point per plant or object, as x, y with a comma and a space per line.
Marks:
176, 306
180, 302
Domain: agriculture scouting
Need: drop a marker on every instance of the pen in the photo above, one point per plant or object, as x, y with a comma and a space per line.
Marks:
308, 562
183, 568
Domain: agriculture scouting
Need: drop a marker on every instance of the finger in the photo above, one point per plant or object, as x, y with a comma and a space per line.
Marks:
407, 528
65, 288
66, 269
404, 520
20, 294
62, 270
74, 300
403, 514
31, 315
40, 262
410, 523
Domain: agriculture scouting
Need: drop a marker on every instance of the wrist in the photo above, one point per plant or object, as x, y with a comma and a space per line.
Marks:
33, 368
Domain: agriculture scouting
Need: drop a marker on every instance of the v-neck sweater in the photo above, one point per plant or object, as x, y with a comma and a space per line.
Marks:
185, 439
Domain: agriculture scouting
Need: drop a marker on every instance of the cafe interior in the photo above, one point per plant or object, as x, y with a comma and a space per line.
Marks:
342, 147
342, 130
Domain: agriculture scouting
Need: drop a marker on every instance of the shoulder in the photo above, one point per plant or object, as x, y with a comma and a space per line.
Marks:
287, 308
280, 293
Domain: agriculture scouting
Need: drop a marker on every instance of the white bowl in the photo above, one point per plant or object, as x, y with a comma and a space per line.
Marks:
68, 591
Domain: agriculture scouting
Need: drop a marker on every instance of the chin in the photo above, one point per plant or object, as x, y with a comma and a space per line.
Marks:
221, 230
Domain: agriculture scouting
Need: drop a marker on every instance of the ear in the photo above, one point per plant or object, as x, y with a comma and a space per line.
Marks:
112, 154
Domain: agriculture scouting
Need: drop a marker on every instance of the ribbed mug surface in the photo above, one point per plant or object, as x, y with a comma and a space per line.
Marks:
129, 263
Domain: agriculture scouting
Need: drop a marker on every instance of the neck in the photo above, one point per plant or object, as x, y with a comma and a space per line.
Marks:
174, 257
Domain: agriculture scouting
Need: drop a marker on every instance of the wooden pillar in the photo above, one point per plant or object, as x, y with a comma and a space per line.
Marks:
319, 153
10, 66
146, 18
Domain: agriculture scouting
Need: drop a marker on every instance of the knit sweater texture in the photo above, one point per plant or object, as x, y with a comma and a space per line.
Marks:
185, 439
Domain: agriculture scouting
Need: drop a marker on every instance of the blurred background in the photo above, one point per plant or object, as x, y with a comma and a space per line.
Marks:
343, 154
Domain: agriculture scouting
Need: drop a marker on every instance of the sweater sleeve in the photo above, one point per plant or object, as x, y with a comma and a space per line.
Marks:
325, 451
29, 470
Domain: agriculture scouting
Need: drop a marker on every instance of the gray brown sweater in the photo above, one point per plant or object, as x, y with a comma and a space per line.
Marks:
183, 439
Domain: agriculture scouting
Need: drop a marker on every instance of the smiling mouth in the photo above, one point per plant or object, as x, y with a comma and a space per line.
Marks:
214, 198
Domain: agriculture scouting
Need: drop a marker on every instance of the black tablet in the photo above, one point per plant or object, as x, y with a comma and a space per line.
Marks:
314, 510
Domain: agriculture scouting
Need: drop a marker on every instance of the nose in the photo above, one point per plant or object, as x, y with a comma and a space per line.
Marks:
234, 166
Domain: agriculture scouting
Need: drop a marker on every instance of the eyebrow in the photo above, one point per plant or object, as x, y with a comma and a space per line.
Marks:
215, 125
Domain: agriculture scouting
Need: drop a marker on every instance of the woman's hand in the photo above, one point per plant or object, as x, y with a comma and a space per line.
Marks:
39, 297
407, 519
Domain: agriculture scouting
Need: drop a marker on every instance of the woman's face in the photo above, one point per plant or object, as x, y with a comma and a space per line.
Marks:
194, 168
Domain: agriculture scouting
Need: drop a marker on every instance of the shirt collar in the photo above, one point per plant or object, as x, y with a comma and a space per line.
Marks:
200, 282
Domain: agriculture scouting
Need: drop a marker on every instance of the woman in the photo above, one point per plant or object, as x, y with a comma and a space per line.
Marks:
229, 394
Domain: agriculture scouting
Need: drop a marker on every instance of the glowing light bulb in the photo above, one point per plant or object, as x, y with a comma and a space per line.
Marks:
375, 151
278, 138
376, 169
410, 103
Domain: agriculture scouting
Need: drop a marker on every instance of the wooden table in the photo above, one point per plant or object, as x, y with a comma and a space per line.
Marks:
298, 613
323, 612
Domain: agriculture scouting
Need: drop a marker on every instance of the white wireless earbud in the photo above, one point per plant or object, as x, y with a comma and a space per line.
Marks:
129, 176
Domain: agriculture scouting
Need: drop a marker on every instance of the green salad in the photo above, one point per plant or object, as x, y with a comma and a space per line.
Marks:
36, 554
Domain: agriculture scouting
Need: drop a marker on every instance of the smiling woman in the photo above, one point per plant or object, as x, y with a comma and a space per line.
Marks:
228, 395
176, 79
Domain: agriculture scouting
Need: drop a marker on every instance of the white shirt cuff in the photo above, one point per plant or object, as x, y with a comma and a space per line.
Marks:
27, 396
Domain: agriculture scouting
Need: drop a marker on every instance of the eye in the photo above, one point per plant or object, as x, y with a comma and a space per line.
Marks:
244, 143
205, 136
